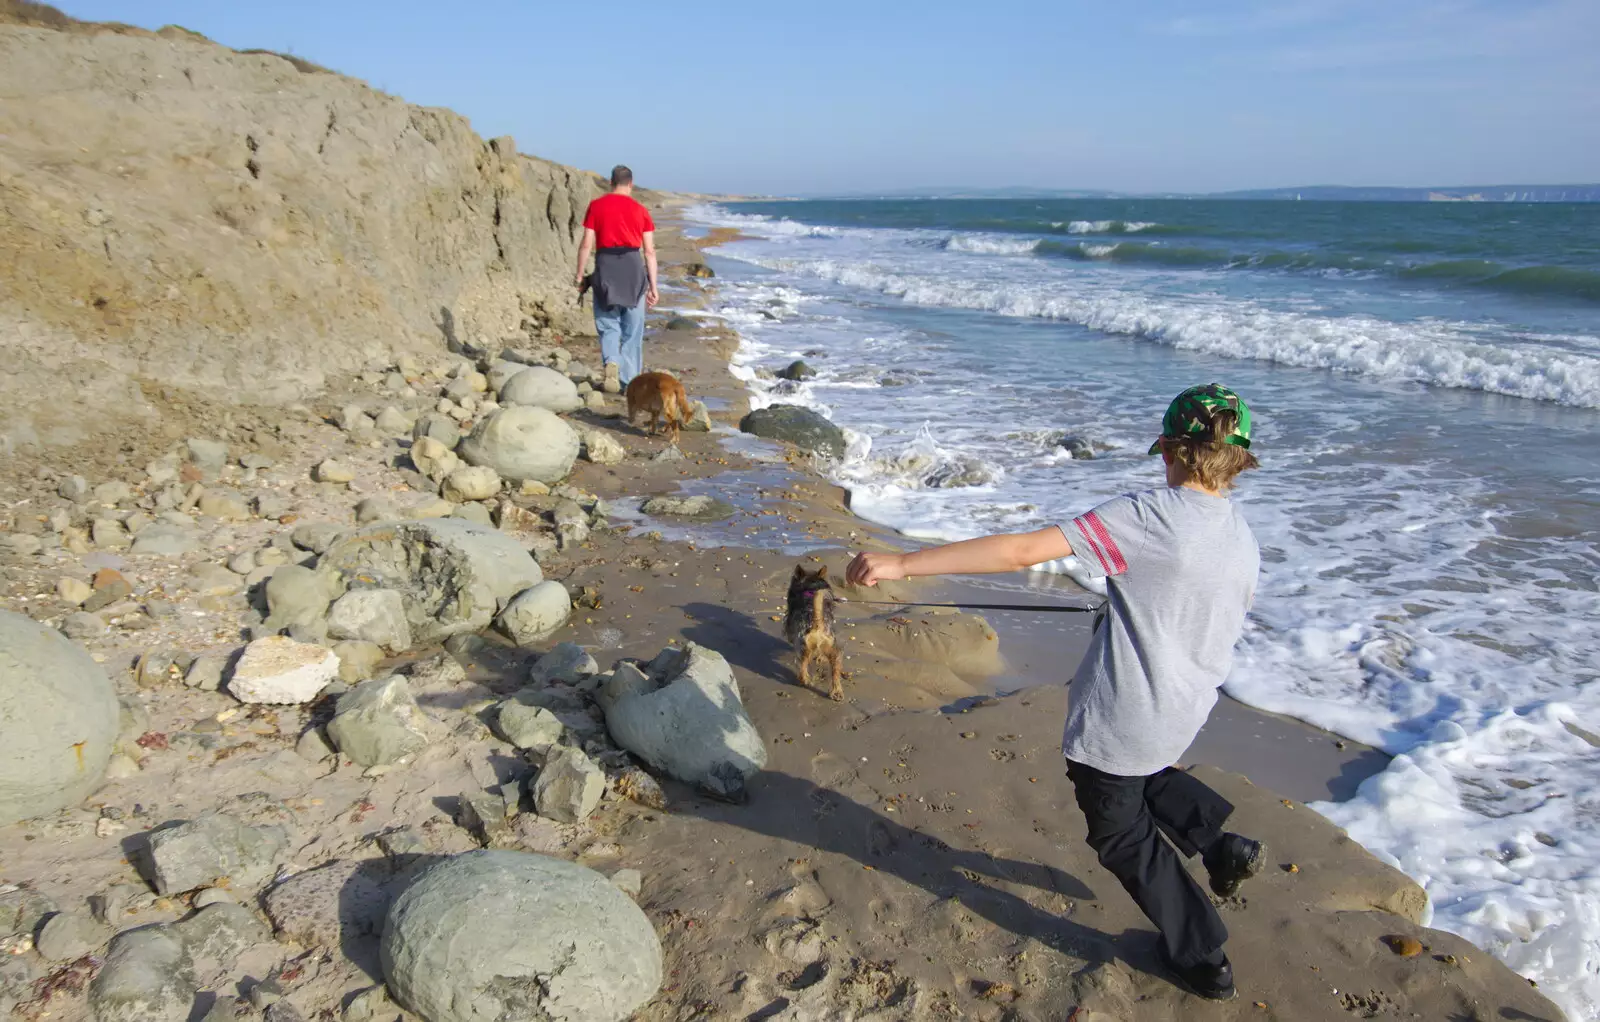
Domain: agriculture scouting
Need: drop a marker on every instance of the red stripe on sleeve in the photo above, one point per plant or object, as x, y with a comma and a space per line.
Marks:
1110, 544
1089, 538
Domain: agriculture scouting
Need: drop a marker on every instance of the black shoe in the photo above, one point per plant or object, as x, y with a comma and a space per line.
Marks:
1231, 861
1213, 982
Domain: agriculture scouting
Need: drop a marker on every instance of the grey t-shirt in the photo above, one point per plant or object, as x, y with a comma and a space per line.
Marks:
1180, 569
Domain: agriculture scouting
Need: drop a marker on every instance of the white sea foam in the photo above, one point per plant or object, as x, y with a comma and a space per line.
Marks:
1107, 226
1399, 604
1098, 251
989, 244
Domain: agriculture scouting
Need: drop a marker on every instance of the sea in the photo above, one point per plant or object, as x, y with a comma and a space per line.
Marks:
1425, 381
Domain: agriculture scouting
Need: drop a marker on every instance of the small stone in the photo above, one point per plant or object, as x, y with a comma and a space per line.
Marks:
358, 659
331, 471
1405, 947
469, 482
535, 614
569, 786
206, 672
313, 747
699, 418
352, 418
214, 896
333, 906
209, 456
280, 670
637, 786
109, 534
671, 453
74, 488
527, 726
213, 580
242, 563
602, 448
155, 669
433, 459
437, 426
120, 767
378, 723
73, 591
631, 881
271, 557
148, 976
371, 615
368, 1005
483, 816
567, 663
82, 626
225, 505
316, 537
197, 853
392, 421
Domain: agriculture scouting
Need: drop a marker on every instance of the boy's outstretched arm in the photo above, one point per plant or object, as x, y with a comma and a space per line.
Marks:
986, 555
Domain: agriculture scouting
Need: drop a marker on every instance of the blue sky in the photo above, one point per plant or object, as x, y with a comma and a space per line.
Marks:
826, 96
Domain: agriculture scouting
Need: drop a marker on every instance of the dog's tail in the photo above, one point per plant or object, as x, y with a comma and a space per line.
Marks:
673, 400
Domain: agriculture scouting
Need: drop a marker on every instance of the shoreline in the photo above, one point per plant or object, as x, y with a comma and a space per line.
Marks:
888, 864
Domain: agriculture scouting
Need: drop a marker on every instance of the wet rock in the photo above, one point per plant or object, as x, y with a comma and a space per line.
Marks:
331, 906
567, 663
523, 443
701, 506
58, 719
552, 940
453, 575
378, 723
147, 977
535, 614
796, 370
800, 426
568, 787
371, 615
686, 719
541, 387
1078, 447
684, 323
527, 726
433, 459
277, 670
358, 659
602, 448
211, 847
470, 482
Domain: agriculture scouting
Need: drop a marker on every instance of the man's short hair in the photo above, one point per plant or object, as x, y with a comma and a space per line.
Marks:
620, 176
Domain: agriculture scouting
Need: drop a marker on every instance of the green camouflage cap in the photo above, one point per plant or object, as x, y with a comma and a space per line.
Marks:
1190, 413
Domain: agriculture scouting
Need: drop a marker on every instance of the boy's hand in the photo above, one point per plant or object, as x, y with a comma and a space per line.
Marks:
870, 569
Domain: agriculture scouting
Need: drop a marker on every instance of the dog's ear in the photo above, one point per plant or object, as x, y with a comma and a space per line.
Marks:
799, 572
823, 572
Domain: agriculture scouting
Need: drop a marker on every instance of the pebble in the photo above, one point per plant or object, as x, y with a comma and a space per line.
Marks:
74, 591
331, 471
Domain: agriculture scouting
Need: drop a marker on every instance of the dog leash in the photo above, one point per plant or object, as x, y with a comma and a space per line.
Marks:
1045, 609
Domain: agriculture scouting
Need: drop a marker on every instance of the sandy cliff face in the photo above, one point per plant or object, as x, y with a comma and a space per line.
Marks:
178, 216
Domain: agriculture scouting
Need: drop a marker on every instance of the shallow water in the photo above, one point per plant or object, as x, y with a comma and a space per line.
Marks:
1429, 506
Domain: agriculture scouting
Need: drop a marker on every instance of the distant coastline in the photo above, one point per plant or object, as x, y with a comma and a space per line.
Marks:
1317, 193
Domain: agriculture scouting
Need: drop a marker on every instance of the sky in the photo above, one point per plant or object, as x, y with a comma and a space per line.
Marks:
829, 97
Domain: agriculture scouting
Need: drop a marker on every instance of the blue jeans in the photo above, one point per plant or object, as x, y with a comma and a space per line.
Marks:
621, 330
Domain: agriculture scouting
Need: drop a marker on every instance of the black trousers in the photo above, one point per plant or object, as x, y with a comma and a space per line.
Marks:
1124, 815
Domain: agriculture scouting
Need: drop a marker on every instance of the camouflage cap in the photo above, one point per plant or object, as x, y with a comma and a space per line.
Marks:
1190, 415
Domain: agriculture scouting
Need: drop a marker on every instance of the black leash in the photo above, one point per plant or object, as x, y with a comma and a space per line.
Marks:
1046, 609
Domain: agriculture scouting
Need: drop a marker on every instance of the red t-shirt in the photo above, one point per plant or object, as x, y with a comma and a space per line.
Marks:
618, 221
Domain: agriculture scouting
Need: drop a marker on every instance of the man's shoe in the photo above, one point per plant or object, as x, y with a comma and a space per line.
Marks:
1231, 861
1213, 982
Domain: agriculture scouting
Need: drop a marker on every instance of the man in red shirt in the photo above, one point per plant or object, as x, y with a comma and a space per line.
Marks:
618, 229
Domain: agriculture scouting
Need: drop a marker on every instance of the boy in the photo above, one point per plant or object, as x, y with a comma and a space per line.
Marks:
1180, 566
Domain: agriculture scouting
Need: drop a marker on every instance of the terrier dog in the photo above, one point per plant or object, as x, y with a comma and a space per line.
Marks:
808, 625
661, 395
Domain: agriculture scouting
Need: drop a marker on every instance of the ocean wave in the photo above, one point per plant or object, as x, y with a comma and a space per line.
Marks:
978, 244
1427, 351
1105, 226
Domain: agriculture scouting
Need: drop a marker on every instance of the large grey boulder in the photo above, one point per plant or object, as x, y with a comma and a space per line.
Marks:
58, 720
523, 443
535, 614
541, 387
686, 719
568, 787
201, 851
506, 934
453, 575
148, 976
371, 615
378, 723
794, 424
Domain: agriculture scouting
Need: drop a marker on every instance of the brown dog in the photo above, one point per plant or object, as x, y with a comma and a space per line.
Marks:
808, 625
661, 395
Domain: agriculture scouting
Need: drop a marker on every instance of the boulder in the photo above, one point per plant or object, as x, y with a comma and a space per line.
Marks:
796, 370
568, 787
602, 448
699, 506
331, 905
147, 977
470, 482
523, 443
454, 575
214, 846
372, 615
277, 669
58, 720
541, 387
800, 426
567, 663
507, 934
378, 723
437, 426
686, 719
220, 932
697, 269
535, 614
685, 323
527, 726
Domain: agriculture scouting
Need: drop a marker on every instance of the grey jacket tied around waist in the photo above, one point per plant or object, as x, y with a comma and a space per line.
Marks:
619, 277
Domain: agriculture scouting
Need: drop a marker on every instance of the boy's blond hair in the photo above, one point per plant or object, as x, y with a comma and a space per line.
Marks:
1211, 461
